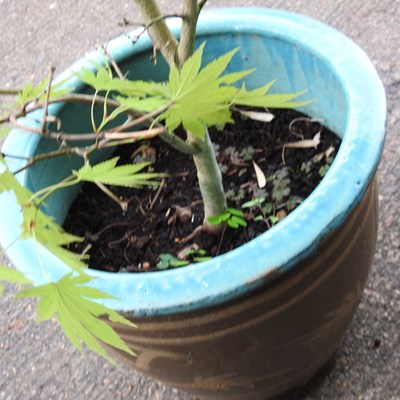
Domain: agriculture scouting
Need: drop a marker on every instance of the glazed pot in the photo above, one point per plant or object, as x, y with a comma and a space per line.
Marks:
266, 317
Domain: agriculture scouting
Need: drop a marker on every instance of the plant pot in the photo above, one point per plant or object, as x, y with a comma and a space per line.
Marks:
266, 317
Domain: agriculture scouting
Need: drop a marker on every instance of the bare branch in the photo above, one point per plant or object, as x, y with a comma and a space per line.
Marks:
46, 102
53, 154
113, 63
145, 134
9, 92
143, 118
201, 4
159, 31
151, 23
68, 98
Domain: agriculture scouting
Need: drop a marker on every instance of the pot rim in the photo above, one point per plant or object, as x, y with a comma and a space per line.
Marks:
228, 276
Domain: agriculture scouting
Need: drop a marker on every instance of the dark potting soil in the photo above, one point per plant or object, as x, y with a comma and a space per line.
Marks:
159, 220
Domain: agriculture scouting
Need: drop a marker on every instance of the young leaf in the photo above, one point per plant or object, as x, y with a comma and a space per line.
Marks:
236, 212
109, 173
30, 93
45, 231
4, 131
97, 80
103, 80
168, 260
40, 226
12, 275
214, 220
239, 221
8, 182
189, 71
78, 314
147, 104
232, 224
259, 97
202, 98
253, 203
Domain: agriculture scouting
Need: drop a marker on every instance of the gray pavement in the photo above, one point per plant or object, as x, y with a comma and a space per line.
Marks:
37, 362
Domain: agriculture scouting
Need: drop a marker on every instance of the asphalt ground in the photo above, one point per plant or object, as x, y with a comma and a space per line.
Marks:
37, 362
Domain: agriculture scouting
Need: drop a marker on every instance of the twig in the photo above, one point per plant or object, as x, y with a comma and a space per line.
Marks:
122, 203
144, 118
46, 102
194, 234
159, 32
68, 98
297, 133
113, 63
201, 4
107, 135
52, 154
157, 195
9, 92
145, 134
151, 23
221, 240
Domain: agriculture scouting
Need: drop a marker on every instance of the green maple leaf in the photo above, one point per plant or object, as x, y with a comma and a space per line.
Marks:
4, 131
44, 230
8, 182
81, 318
103, 80
109, 173
11, 275
260, 97
196, 97
201, 98
147, 104
31, 93
40, 226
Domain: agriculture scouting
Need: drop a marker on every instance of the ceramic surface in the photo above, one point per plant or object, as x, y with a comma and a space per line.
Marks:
266, 317
302, 54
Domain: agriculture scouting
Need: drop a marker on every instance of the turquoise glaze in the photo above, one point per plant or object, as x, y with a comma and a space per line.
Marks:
300, 53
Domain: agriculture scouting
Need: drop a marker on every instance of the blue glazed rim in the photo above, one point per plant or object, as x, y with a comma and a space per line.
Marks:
246, 268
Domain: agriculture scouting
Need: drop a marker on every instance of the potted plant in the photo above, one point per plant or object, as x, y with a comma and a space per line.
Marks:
249, 324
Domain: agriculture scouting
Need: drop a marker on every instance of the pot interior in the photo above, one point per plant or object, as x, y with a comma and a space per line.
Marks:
293, 67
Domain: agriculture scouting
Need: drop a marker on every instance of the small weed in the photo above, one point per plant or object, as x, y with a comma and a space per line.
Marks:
168, 260
281, 183
293, 202
247, 153
235, 196
198, 255
232, 217
265, 209
324, 168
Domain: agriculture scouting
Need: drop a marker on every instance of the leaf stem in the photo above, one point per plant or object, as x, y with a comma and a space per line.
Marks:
92, 112
49, 190
45, 274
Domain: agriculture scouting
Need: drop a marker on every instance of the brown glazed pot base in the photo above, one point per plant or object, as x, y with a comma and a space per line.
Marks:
279, 337
301, 390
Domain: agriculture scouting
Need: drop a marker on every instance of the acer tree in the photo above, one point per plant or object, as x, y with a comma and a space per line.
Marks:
194, 98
